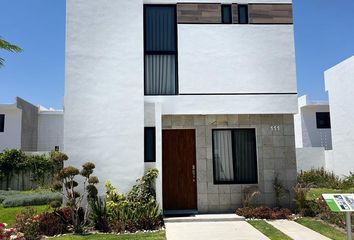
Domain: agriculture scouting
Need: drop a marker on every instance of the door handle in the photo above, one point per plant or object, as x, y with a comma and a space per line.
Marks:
193, 172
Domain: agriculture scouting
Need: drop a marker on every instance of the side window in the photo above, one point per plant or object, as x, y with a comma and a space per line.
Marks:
149, 144
323, 120
2, 122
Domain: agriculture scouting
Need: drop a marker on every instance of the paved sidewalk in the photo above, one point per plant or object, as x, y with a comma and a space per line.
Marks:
236, 230
296, 231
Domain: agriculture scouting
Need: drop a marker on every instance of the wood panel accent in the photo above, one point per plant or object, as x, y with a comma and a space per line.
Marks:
198, 13
270, 13
179, 184
234, 10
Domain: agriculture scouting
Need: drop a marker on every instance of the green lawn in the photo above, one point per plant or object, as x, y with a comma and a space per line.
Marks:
315, 193
322, 228
8, 215
268, 230
140, 236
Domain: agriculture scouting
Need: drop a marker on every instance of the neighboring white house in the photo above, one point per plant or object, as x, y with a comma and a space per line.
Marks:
312, 133
30, 128
324, 132
213, 84
339, 82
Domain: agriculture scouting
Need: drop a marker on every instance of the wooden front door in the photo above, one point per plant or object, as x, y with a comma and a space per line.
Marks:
179, 181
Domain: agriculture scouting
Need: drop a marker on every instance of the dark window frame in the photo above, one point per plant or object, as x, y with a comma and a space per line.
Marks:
145, 143
2, 123
239, 6
234, 182
162, 52
321, 115
229, 6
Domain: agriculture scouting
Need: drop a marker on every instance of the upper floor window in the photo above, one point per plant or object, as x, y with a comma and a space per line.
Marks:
242, 14
323, 120
160, 44
226, 14
2, 122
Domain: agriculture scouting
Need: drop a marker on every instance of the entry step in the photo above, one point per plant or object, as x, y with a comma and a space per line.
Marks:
205, 218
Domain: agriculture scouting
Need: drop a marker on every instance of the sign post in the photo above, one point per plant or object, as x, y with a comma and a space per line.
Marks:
342, 203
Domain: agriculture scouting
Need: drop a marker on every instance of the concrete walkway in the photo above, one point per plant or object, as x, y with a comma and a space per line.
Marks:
296, 231
211, 227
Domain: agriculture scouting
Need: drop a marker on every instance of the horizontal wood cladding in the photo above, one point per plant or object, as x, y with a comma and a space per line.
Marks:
198, 13
234, 10
270, 13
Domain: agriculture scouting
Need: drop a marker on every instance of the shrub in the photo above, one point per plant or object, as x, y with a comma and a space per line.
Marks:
32, 198
348, 181
279, 191
54, 223
138, 209
264, 213
74, 200
320, 178
27, 222
11, 233
5, 194
301, 204
99, 216
249, 193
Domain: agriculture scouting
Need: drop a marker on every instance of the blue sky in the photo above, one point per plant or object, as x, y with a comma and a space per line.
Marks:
324, 36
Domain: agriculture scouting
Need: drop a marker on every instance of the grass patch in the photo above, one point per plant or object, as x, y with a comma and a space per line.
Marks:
322, 228
268, 230
139, 236
8, 215
315, 193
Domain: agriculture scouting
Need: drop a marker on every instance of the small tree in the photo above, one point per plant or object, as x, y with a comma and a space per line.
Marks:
279, 191
74, 199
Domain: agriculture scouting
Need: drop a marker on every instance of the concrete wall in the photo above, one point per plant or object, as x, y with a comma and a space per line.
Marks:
29, 125
275, 155
339, 84
11, 137
310, 158
104, 97
50, 130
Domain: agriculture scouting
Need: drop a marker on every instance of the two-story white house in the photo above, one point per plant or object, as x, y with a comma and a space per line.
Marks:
201, 90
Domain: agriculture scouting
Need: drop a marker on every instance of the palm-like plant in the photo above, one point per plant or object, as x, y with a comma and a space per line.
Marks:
4, 45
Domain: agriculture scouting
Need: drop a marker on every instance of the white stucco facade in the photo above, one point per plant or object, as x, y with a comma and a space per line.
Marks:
339, 81
11, 137
104, 97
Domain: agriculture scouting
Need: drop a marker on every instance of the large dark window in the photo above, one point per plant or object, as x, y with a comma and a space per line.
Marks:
226, 14
242, 14
160, 44
323, 120
150, 144
234, 156
2, 122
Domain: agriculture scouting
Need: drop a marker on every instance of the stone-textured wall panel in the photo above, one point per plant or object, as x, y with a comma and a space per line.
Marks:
275, 156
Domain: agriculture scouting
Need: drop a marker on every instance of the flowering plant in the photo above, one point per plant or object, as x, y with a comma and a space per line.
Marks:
9, 233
